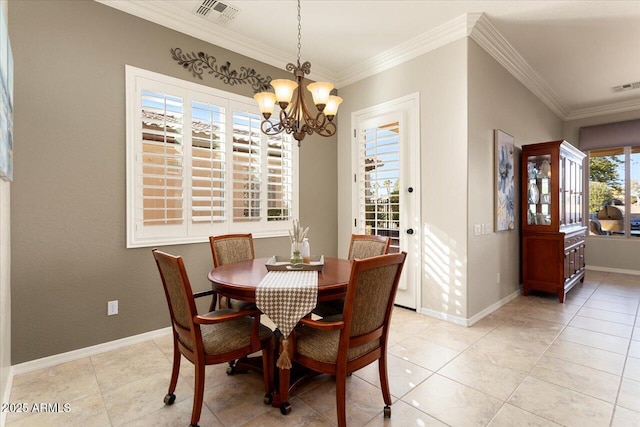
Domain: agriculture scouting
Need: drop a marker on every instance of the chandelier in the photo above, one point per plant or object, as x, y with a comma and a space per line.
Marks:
295, 116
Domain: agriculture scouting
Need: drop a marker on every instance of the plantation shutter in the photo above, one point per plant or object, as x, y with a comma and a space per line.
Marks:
198, 165
208, 163
247, 166
161, 169
279, 178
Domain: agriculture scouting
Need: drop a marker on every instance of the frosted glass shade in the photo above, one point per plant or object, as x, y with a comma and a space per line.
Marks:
332, 105
266, 102
284, 89
320, 92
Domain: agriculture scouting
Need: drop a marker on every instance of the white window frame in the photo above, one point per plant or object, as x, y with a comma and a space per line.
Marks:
139, 235
627, 194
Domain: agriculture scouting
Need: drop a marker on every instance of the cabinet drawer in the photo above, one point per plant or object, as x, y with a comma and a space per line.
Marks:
573, 240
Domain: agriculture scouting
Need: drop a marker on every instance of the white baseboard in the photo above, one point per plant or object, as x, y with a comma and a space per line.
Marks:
469, 322
56, 359
613, 270
493, 307
443, 316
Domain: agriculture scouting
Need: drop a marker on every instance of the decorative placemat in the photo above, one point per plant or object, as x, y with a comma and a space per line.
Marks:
286, 297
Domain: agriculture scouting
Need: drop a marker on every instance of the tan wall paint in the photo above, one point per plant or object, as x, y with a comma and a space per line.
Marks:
602, 252
497, 101
68, 207
440, 78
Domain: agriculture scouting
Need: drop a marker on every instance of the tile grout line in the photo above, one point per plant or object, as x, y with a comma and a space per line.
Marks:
624, 367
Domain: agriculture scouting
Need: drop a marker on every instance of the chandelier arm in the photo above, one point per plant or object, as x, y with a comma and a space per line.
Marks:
270, 128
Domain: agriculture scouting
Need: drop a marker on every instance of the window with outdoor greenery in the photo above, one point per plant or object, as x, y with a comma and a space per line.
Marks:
614, 192
199, 165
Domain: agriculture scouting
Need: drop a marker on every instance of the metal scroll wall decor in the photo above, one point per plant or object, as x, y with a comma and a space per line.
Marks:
200, 62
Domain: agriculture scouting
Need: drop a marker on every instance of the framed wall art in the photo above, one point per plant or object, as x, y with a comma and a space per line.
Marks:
6, 102
504, 181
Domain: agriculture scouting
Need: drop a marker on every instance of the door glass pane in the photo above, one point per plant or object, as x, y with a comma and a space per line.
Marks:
606, 192
539, 190
379, 169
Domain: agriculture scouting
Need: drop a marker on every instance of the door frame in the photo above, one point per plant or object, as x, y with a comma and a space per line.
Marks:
408, 109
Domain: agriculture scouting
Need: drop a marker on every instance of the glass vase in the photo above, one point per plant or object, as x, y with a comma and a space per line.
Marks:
296, 256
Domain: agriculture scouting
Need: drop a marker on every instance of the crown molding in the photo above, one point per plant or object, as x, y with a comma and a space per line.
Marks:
474, 25
184, 22
442, 35
601, 110
488, 37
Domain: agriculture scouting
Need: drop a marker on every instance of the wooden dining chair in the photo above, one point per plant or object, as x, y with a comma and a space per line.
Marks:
217, 337
229, 248
361, 246
343, 344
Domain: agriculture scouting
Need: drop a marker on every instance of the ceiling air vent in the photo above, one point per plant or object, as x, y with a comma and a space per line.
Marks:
214, 10
626, 87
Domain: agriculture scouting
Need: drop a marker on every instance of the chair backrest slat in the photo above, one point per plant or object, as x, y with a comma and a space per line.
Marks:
231, 248
367, 246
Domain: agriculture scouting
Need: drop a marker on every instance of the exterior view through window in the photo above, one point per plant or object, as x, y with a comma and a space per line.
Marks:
380, 178
614, 192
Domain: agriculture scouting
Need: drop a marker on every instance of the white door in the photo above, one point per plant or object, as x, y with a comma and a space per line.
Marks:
386, 202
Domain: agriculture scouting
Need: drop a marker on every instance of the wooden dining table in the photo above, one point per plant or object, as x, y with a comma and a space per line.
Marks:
239, 280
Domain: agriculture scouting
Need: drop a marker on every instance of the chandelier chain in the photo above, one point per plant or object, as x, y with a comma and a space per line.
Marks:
299, 33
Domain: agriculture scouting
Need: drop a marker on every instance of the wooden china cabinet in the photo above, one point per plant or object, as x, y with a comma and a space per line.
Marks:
553, 226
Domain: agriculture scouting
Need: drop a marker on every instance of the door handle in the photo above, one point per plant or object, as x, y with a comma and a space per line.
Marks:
410, 231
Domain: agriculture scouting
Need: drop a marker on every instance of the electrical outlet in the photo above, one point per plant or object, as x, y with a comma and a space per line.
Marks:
498, 278
477, 229
112, 308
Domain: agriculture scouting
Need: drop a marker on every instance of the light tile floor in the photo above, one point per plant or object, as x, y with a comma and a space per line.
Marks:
534, 362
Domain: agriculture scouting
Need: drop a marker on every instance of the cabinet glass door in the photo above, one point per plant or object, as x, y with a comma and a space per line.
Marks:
539, 190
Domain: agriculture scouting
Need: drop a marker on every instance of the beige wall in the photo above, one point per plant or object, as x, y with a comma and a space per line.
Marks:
602, 252
464, 96
440, 78
5, 281
497, 101
68, 196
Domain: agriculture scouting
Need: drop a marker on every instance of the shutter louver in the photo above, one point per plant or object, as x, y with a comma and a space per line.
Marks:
208, 163
247, 169
162, 159
280, 178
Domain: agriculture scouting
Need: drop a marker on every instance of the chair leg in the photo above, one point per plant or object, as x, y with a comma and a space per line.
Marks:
384, 383
177, 357
214, 299
267, 369
341, 396
384, 379
198, 392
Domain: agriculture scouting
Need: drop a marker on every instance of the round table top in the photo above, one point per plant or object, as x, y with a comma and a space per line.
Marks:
239, 280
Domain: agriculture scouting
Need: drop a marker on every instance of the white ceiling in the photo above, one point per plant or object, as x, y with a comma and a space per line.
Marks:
569, 53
